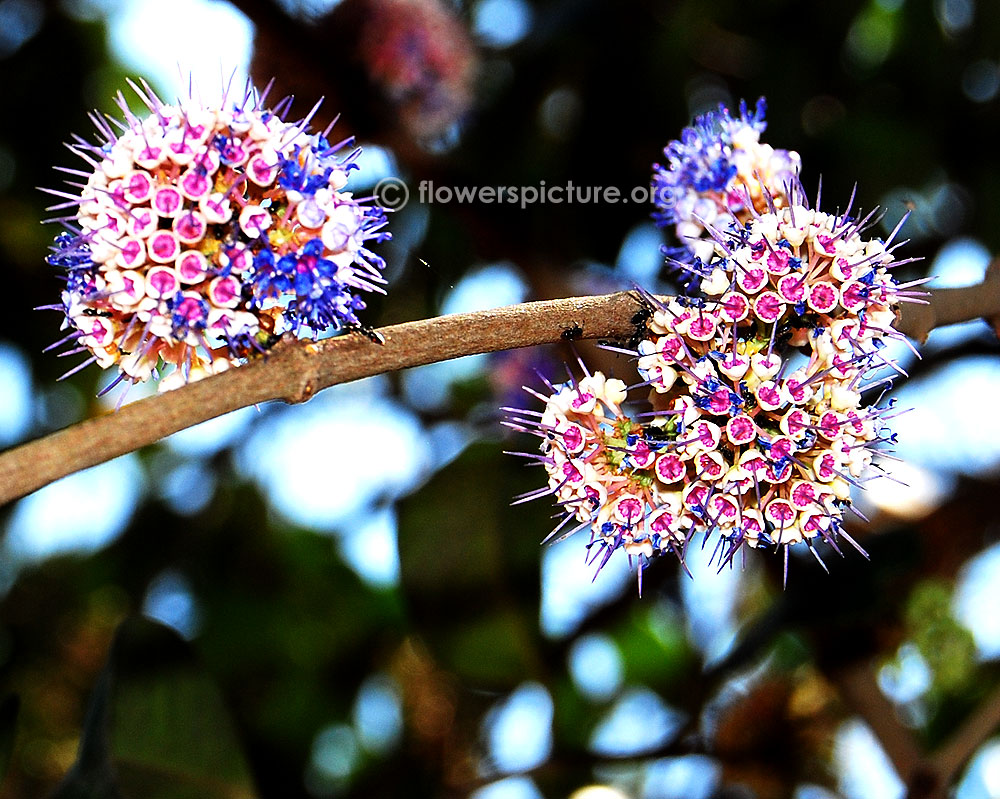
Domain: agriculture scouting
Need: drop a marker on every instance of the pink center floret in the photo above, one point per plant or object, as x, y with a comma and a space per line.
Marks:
735, 305
769, 395
262, 171
661, 523
768, 306
696, 496
167, 201
671, 347
162, 282
826, 467
224, 291
139, 186
702, 327
630, 509
777, 261
196, 184
572, 438
132, 252
163, 246
141, 220
797, 422
725, 508
189, 309
741, 429
781, 511
792, 288
781, 448
571, 473
754, 279
582, 400
705, 434
709, 466
822, 297
718, 404
670, 468
854, 295
191, 267
233, 152
190, 227
797, 391
803, 494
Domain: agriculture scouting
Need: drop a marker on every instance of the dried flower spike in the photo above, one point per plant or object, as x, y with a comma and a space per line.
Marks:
199, 234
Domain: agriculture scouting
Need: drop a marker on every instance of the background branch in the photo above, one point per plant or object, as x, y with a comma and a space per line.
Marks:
294, 371
950, 759
858, 688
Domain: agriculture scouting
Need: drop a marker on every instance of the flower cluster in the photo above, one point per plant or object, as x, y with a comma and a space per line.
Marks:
758, 429
716, 174
413, 66
421, 55
199, 234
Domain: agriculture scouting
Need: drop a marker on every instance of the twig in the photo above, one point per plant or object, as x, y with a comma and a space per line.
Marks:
926, 777
858, 688
949, 306
953, 755
295, 371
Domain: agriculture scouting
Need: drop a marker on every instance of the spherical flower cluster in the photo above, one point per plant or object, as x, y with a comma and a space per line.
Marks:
201, 233
758, 429
716, 174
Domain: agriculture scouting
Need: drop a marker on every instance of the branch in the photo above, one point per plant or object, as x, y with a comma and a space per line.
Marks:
858, 688
953, 755
296, 370
949, 306
926, 777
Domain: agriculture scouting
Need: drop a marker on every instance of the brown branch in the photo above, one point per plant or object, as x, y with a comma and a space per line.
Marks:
926, 777
858, 688
295, 371
949, 306
949, 759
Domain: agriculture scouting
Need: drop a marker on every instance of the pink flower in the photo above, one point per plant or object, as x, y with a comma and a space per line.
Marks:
183, 231
757, 430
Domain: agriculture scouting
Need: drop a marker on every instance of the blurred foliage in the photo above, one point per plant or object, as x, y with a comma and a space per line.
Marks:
156, 726
946, 645
285, 638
